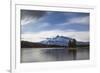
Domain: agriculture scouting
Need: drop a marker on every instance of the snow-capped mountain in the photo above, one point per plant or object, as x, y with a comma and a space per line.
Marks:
58, 40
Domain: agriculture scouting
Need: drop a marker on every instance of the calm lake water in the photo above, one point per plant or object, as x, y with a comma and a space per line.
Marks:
53, 54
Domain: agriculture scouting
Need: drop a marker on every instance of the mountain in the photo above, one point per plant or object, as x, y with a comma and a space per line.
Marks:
58, 40
62, 41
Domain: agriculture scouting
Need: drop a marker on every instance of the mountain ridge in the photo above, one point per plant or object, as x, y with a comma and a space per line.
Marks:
57, 41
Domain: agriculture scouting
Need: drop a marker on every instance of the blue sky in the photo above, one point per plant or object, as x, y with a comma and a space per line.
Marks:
35, 22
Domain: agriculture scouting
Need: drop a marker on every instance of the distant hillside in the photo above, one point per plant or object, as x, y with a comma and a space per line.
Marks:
26, 44
82, 44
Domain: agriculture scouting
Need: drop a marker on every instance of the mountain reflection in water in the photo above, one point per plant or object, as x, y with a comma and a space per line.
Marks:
52, 54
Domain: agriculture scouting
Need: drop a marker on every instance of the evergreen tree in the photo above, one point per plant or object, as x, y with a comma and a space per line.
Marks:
72, 43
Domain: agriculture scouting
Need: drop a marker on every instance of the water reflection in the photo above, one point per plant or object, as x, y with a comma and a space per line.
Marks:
53, 54
73, 52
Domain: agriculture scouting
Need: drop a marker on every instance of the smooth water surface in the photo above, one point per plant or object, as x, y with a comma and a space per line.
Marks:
53, 54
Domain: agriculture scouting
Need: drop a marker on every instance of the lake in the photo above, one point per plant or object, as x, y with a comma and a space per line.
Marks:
53, 54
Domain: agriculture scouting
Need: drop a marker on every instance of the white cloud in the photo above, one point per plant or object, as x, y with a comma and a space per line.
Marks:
28, 20
78, 20
36, 37
31, 37
32, 20
81, 20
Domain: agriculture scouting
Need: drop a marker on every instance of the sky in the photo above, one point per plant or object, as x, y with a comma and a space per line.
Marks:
39, 25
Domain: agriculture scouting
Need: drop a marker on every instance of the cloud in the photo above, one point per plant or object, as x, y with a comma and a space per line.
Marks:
28, 20
31, 13
45, 26
35, 26
79, 36
28, 16
31, 37
79, 20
